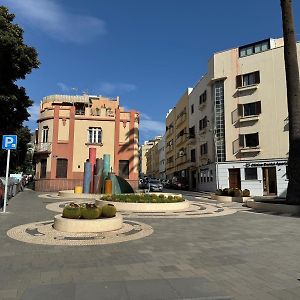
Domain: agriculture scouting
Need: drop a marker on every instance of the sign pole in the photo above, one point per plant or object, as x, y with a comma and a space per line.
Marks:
6, 183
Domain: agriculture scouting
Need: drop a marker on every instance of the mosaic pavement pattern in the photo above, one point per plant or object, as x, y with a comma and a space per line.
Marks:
197, 209
43, 233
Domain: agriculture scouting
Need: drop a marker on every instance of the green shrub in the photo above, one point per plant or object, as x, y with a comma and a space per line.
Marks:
161, 196
246, 193
71, 211
108, 211
237, 193
178, 199
90, 211
219, 192
225, 192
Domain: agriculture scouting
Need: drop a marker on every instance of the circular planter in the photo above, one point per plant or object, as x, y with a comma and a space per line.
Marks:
71, 194
229, 198
147, 207
81, 225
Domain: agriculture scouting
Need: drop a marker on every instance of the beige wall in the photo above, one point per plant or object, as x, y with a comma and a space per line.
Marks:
81, 150
63, 130
170, 137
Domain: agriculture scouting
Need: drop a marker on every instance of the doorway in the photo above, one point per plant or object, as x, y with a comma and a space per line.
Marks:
234, 178
269, 181
194, 179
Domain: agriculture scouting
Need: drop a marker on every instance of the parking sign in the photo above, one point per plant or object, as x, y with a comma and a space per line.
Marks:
9, 142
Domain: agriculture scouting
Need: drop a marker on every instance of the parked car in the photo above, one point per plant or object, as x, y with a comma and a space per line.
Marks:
180, 185
167, 183
154, 185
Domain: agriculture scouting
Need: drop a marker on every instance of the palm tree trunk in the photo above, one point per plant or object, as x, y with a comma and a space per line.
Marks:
293, 99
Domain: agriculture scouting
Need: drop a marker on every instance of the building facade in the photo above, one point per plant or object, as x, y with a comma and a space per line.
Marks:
177, 140
239, 114
69, 125
146, 162
162, 158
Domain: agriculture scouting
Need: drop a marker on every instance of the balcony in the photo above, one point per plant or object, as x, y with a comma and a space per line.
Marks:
181, 139
180, 120
202, 106
43, 148
238, 148
181, 160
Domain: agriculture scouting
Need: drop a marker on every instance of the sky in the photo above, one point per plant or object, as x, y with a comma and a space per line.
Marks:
146, 52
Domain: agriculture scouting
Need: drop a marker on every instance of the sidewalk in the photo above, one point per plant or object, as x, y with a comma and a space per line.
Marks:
238, 256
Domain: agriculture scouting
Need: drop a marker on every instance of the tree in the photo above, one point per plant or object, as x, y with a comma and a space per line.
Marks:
16, 61
293, 99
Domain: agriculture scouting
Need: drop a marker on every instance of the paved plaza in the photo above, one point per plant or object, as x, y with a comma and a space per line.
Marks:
240, 255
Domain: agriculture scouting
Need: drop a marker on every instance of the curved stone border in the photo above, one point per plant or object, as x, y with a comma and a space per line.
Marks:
43, 233
229, 198
197, 209
82, 225
147, 207
71, 194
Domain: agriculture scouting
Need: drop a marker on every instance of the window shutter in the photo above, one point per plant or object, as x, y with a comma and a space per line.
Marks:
241, 140
258, 107
238, 81
240, 110
257, 77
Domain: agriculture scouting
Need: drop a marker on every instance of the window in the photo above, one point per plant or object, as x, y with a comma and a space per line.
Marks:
249, 109
43, 168
203, 123
95, 135
80, 108
181, 133
45, 133
192, 132
193, 155
254, 48
124, 168
192, 108
247, 79
249, 140
202, 98
203, 149
250, 173
61, 168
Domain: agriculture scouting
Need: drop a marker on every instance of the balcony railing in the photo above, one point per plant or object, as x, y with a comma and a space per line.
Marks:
244, 149
43, 147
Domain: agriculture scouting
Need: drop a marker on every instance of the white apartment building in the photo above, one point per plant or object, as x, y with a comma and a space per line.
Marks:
238, 114
162, 157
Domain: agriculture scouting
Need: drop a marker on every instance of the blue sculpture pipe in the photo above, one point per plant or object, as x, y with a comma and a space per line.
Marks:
106, 165
87, 177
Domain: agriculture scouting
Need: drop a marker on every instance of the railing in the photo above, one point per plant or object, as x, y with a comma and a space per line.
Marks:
244, 149
43, 147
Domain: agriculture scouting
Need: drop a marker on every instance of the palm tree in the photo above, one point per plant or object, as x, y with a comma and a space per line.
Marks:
293, 99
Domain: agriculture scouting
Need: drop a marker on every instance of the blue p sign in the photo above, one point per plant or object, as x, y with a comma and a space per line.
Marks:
9, 142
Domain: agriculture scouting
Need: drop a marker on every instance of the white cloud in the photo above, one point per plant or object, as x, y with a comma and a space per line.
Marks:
63, 87
150, 126
108, 88
34, 111
51, 17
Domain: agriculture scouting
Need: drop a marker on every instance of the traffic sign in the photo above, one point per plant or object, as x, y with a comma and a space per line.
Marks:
9, 142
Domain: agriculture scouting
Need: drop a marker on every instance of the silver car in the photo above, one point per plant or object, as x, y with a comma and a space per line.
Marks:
155, 185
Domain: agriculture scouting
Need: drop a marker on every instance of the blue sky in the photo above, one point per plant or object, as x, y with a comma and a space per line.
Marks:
146, 52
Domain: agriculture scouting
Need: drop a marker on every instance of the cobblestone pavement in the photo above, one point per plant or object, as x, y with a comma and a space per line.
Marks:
243, 255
